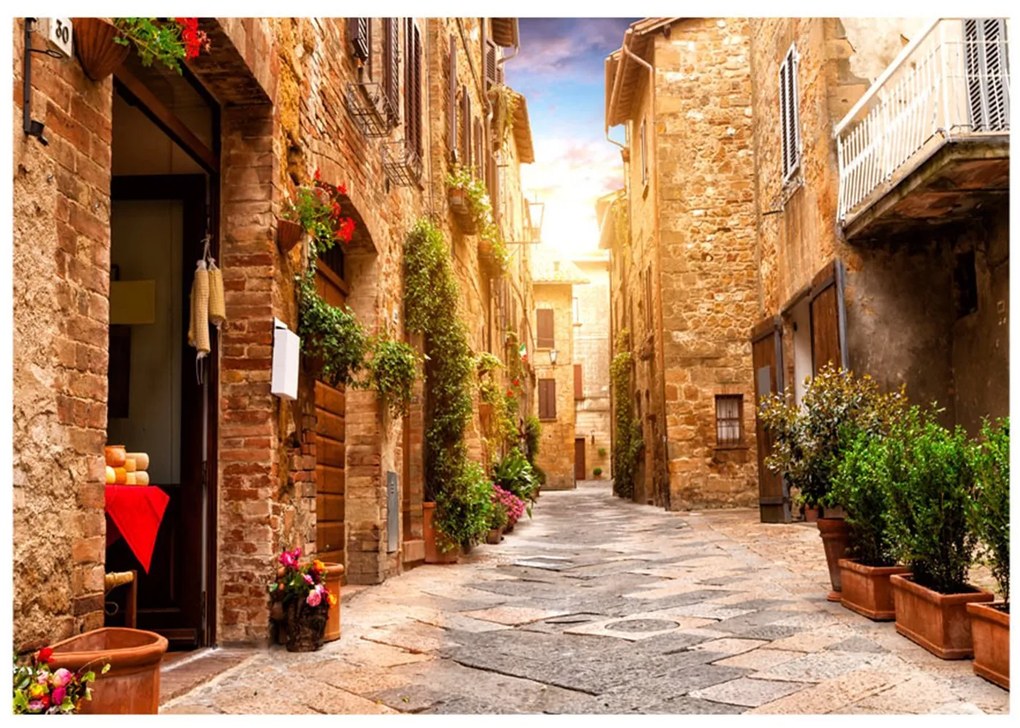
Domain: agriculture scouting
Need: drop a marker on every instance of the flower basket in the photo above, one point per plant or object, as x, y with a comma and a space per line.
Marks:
306, 626
461, 209
288, 233
93, 44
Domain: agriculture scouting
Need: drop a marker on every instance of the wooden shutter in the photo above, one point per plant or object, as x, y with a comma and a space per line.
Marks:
985, 55
767, 360
788, 112
492, 182
547, 399
478, 136
465, 120
546, 332
358, 30
491, 67
578, 383
451, 101
412, 94
827, 318
391, 68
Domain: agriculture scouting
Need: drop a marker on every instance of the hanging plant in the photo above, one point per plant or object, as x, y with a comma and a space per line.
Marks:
479, 209
317, 210
504, 104
166, 40
392, 369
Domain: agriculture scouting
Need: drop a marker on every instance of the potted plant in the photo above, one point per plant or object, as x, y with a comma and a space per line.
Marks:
989, 622
102, 46
931, 487
515, 507
301, 593
464, 508
861, 484
498, 518
317, 211
42, 688
597, 472
470, 203
809, 440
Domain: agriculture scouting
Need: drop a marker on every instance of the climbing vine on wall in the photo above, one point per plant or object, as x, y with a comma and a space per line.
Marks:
628, 442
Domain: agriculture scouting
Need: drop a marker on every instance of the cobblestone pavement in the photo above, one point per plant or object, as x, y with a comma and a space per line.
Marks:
603, 606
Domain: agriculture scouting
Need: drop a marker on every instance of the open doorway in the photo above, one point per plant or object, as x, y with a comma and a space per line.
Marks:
163, 202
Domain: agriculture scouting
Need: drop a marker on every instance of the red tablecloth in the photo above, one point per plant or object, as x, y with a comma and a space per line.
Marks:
135, 512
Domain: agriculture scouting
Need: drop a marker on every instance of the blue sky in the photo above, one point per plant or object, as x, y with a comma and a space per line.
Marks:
560, 71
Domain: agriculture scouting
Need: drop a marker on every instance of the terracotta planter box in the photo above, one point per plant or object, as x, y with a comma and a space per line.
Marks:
835, 535
989, 629
334, 574
132, 683
937, 622
866, 589
433, 554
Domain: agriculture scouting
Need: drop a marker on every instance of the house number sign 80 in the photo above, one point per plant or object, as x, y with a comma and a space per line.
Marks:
61, 35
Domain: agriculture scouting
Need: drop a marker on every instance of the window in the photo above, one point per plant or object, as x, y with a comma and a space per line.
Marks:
391, 68
728, 416
546, 338
451, 100
578, 382
577, 310
547, 399
412, 90
644, 154
648, 297
359, 31
789, 118
493, 70
985, 59
465, 127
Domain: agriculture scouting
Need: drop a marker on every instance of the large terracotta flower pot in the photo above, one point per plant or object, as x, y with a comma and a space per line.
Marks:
93, 44
132, 683
835, 535
989, 629
334, 574
866, 589
433, 553
937, 622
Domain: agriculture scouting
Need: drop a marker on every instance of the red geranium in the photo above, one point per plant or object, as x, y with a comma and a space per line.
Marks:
195, 40
46, 654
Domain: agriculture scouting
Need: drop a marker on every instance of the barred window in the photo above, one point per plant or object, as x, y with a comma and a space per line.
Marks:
728, 417
789, 113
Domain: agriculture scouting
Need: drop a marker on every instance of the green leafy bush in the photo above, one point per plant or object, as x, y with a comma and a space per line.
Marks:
480, 207
515, 474
597, 472
931, 489
629, 441
532, 437
861, 485
392, 370
330, 335
464, 507
989, 458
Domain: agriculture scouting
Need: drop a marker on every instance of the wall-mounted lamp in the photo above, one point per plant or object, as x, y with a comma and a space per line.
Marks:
593, 437
552, 356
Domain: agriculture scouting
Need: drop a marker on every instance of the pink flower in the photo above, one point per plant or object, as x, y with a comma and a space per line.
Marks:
314, 598
308, 578
290, 558
61, 677
58, 695
35, 706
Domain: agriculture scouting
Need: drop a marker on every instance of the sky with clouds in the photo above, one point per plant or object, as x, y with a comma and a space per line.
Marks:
560, 70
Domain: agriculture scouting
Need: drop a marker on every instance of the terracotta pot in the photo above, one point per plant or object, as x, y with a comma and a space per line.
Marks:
433, 554
288, 233
937, 622
835, 535
93, 44
866, 589
494, 536
334, 575
989, 629
810, 514
305, 626
508, 528
132, 683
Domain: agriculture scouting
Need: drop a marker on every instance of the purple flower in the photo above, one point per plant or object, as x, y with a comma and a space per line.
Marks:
35, 706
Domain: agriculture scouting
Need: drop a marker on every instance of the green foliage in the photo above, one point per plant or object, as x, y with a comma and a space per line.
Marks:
480, 209
431, 300
629, 439
597, 472
931, 488
504, 103
317, 210
989, 513
602, 452
330, 335
808, 441
169, 41
515, 474
499, 517
532, 437
861, 484
464, 508
503, 402
392, 370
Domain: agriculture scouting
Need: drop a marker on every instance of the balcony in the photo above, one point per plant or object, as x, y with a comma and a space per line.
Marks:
928, 143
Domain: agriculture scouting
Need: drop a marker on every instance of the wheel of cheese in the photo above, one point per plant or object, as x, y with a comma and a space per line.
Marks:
121, 474
141, 460
129, 479
115, 455
111, 475
141, 477
129, 465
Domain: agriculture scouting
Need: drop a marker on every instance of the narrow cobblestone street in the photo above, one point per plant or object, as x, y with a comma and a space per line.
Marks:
600, 606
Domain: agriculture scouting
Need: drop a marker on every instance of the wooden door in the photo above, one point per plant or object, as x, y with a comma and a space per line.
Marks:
828, 319
579, 468
329, 443
767, 359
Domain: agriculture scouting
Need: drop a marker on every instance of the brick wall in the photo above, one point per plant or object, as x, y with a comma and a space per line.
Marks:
61, 259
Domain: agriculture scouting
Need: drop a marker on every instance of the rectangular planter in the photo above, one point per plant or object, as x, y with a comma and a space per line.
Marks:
989, 628
937, 622
866, 589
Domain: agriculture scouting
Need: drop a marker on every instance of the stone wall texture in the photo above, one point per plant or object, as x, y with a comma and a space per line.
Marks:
556, 446
592, 352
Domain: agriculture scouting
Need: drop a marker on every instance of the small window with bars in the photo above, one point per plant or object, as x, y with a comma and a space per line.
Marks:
359, 31
729, 409
789, 113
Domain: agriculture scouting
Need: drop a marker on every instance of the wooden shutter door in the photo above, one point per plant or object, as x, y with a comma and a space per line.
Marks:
546, 338
827, 318
391, 68
767, 359
578, 383
547, 399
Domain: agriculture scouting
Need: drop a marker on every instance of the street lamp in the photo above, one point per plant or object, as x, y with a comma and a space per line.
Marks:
536, 212
552, 356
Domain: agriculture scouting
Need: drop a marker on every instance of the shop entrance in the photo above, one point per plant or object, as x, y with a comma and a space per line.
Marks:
161, 402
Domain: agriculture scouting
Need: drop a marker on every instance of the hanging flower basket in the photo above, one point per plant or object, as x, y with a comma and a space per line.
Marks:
97, 52
461, 209
288, 233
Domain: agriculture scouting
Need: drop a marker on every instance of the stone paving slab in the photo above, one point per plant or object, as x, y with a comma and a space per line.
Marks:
760, 658
747, 691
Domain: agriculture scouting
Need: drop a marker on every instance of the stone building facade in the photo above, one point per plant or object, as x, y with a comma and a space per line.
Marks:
684, 266
147, 154
910, 283
554, 280
591, 366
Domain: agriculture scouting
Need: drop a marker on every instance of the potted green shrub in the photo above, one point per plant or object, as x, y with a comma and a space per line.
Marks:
931, 488
597, 472
861, 484
464, 508
515, 474
989, 622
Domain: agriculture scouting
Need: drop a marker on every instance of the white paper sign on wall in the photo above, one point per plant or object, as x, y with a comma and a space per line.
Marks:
61, 35
286, 359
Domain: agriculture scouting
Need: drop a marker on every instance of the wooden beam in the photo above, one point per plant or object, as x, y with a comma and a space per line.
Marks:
166, 120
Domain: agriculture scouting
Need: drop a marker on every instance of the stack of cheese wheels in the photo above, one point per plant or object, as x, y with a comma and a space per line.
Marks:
126, 468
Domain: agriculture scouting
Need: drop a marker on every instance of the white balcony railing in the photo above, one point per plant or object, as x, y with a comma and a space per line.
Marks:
951, 82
